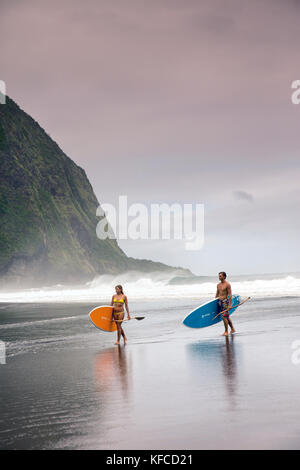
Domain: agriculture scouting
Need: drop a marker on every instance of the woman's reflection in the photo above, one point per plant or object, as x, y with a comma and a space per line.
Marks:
111, 370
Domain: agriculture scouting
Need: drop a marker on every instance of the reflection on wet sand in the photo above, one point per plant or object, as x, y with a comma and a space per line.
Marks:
210, 355
230, 368
111, 370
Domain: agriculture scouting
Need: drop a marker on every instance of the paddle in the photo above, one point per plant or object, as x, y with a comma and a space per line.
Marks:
234, 306
131, 318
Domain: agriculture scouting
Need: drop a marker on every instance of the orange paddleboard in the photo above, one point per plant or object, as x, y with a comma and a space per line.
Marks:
101, 317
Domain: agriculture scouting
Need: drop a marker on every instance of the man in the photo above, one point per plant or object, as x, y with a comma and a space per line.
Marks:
225, 296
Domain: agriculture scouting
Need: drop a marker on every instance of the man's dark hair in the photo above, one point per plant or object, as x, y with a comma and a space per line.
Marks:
224, 274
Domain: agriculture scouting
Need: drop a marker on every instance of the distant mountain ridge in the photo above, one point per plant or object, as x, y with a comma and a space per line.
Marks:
48, 212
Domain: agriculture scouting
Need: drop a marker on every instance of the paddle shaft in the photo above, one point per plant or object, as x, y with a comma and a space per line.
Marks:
128, 319
234, 306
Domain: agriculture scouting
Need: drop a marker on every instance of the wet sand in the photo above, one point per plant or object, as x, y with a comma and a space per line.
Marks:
66, 386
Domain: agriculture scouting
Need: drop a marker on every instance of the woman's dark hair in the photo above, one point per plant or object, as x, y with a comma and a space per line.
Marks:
121, 288
224, 274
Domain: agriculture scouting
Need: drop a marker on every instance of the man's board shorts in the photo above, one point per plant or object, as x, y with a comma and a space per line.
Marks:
224, 304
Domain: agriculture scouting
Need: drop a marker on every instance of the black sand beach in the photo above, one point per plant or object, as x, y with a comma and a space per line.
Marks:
66, 386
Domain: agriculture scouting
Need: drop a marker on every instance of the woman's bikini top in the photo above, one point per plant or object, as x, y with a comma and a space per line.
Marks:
120, 301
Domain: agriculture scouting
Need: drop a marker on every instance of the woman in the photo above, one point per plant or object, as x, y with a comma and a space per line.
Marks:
117, 302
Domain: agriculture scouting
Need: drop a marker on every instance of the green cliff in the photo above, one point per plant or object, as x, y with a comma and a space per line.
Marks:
48, 211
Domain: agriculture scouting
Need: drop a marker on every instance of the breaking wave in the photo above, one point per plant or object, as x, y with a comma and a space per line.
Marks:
155, 286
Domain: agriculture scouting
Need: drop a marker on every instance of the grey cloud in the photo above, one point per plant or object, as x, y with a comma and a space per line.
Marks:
243, 195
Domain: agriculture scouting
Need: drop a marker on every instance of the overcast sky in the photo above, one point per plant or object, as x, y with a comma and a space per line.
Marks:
183, 101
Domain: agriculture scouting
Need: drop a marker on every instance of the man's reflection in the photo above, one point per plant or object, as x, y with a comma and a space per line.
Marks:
214, 356
230, 368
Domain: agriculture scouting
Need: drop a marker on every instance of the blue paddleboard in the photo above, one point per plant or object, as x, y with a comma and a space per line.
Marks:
204, 315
